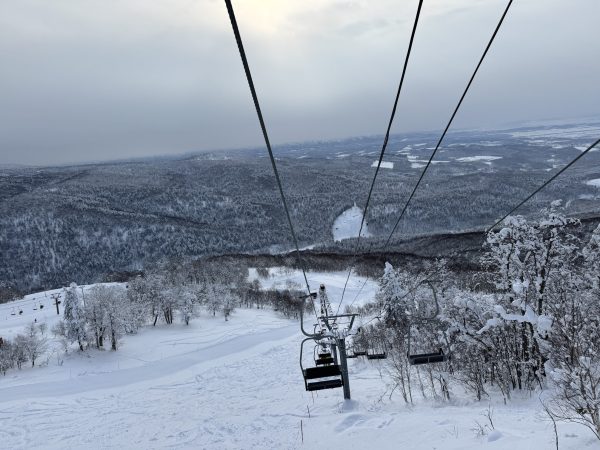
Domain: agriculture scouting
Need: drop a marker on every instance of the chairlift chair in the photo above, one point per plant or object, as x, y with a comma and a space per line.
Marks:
350, 353
415, 359
324, 356
376, 354
428, 358
325, 376
377, 351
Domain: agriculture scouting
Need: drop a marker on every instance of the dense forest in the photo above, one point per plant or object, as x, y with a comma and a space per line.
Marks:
80, 223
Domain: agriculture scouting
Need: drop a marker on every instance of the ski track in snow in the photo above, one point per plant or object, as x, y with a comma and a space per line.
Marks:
254, 398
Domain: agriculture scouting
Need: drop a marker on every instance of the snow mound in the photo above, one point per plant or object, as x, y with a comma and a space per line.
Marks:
494, 436
348, 223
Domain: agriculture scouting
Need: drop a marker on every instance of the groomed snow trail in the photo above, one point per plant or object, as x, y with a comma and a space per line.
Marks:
255, 399
89, 381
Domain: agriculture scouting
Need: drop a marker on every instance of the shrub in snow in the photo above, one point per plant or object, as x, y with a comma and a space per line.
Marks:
32, 343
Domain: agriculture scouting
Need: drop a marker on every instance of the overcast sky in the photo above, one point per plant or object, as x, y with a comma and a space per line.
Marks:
87, 80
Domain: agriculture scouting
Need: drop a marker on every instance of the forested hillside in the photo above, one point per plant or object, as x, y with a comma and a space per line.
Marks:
79, 223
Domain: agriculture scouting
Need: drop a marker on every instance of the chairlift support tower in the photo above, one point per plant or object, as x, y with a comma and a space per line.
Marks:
328, 332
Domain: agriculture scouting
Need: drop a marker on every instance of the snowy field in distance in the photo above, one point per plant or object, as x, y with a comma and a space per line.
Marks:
384, 164
571, 132
237, 385
347, 224
478, 158
595, 182
359, 291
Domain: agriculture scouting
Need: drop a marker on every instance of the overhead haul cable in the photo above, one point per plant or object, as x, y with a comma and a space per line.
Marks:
424, 171
383, 147
238, 39
550, 180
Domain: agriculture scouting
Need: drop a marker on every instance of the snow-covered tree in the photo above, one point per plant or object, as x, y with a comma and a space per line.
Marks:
7, 360
144, 293
187, 299
591, 255
95, 314
115, 304
74, 316
530, 260
32, 343
109, 309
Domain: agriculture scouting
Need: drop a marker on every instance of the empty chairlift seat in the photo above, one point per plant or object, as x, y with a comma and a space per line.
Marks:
376, 355
428, 358
327, 376
324, 359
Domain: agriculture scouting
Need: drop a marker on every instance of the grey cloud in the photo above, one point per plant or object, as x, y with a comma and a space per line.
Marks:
77, 84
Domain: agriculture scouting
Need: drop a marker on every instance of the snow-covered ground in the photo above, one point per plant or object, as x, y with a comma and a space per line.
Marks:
595, 182
359, 290
347, 224
384, 164
237, 385
478, 158
571, 132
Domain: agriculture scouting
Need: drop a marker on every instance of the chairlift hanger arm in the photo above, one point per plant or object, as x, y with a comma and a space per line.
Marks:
301, 351
304, 332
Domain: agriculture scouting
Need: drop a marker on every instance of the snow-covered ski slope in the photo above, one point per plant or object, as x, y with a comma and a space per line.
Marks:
359, 290
347, 225
237, 385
